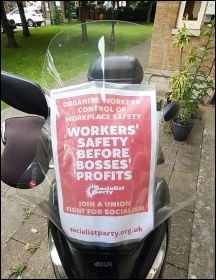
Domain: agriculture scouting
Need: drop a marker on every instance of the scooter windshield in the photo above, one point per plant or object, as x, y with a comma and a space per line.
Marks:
101, 134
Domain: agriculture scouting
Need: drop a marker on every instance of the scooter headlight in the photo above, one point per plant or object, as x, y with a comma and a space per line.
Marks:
157, 265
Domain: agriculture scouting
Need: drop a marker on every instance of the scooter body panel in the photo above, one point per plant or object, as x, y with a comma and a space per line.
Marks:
131, 261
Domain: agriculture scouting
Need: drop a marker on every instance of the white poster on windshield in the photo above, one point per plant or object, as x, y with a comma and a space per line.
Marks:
104, 153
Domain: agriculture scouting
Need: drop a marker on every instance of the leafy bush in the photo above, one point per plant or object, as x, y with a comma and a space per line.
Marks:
57, 18
125, 13
192, 84
136, 14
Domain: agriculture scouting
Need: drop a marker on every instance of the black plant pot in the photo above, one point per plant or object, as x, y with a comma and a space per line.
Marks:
181, 131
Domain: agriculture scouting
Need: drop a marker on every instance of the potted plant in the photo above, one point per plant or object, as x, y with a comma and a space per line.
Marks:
192, 84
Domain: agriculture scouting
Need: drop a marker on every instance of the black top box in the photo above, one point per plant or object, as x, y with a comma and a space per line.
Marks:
125, 69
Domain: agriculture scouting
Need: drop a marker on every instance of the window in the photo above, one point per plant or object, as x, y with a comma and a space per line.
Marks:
195, 11
16, 12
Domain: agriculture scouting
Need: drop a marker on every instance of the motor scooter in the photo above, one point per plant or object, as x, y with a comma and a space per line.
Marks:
108, 213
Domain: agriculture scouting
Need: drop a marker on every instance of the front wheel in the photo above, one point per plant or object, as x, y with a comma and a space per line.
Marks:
30, 23
38, 23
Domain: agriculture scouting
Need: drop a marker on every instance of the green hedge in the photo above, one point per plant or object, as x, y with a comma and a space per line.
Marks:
138, 14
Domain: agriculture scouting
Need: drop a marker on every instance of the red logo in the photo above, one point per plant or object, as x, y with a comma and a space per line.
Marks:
32, 184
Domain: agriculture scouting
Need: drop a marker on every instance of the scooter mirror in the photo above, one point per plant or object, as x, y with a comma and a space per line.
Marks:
23, 94
171, 110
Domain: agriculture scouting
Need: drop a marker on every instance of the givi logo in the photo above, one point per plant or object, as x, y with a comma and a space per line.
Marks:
103, 264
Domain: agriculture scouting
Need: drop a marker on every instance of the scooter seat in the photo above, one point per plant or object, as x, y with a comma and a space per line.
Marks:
20, 136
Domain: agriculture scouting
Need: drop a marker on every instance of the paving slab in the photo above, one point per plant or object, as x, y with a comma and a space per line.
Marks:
38, 269
180, 239
12, 255
202, 252
182, 185
25, 235
188, 159
11, 218
173, 272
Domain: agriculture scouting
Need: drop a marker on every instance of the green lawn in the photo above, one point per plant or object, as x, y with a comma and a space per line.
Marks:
27, 60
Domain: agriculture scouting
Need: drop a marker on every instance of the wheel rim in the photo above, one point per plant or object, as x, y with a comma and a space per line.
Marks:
30, 23
2, 29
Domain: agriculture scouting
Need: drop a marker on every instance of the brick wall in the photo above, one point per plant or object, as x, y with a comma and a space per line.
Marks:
162, 55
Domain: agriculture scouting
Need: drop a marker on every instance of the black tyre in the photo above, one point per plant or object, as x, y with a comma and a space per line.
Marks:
30, 23
38, 23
